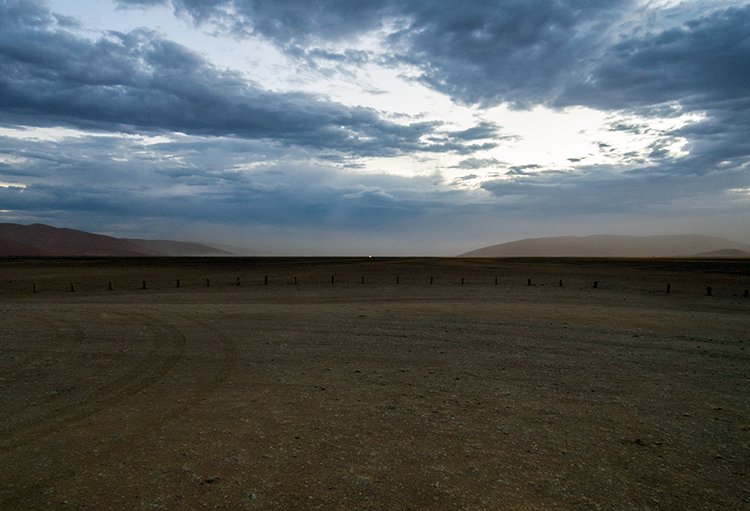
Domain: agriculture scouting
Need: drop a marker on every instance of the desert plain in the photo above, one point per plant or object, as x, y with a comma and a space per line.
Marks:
380, 384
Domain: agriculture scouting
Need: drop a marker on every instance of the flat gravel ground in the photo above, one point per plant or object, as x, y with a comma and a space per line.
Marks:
394, 394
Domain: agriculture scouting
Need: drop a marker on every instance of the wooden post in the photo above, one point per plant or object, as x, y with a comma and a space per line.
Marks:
143, 284
72, 289
333, 279
363, 279
462, 281
295, 281
669, 288
397, 279
178, 283
561, 283
596, 284
432, 279
709, 291
109, 286
35, 287
265, 280
238, 281
528, 282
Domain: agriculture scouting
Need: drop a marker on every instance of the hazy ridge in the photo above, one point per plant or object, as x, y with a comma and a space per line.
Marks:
603, 245
39, 240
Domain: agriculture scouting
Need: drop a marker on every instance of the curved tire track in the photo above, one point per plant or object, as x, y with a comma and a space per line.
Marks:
153, 368
218, 377
226, 364
28, 365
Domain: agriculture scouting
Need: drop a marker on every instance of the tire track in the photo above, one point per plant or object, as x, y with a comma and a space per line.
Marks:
155, 365
29, 364
122, 444
38, 365
222, 373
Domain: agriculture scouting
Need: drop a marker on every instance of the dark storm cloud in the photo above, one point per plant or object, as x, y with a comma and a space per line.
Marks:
521, 51
291, 22
702, 66
140, 81
701, 63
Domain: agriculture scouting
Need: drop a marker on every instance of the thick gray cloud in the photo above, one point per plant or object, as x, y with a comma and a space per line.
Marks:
521, 51
139, 81
291, 22
700, 64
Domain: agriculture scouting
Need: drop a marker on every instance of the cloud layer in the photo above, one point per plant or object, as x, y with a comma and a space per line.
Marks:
139, 81
157, 130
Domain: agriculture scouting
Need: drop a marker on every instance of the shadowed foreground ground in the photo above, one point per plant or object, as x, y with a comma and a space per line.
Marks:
375, 395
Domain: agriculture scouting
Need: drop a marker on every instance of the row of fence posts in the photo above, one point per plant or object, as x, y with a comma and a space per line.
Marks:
110, 287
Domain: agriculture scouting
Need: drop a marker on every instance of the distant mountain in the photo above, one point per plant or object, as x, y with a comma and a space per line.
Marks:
725, 253
45, 240
602, 245
10, 247
179, 248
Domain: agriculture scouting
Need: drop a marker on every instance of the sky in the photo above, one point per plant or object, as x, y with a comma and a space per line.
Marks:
384, 127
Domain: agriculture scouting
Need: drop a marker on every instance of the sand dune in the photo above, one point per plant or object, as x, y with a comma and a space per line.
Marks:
9, 247
45, 240
614, 246
179, 248
729, 253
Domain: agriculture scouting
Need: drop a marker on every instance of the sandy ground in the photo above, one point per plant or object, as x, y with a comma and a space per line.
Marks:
380, 395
